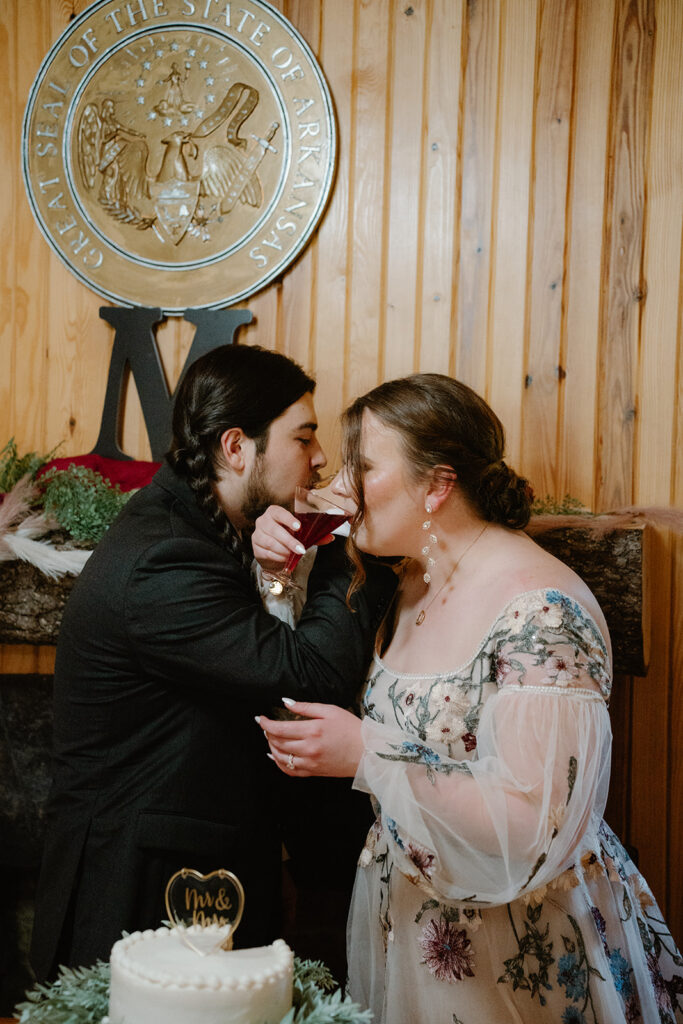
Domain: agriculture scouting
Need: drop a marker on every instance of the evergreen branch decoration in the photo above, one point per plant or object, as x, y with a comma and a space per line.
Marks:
567, 506
82, 501
81, 996
14, 466
78, 996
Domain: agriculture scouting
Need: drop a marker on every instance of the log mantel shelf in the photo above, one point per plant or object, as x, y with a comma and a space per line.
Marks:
613, 566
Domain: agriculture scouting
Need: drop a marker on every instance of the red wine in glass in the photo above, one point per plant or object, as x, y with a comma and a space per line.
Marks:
314, 526
318, 518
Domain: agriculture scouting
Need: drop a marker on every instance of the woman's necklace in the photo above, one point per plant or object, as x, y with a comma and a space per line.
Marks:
423, 611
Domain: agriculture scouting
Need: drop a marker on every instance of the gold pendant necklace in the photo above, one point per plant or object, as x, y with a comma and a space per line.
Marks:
423, 611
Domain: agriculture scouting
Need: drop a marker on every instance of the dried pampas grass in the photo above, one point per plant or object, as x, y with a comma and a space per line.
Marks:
19, 528
52, 561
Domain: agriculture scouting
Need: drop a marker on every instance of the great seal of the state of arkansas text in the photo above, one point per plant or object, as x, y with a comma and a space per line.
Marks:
179, 153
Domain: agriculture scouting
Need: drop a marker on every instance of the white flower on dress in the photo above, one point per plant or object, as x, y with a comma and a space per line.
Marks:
592, 865
535, 897
451, 705
559, 671
566, 881
556, 817
518, 612
640, 891
550, 615
365, 858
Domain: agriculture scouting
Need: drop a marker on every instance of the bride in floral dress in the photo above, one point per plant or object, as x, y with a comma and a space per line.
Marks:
489, 889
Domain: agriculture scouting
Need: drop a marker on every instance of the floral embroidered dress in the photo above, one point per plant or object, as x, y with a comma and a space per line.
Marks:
489, 890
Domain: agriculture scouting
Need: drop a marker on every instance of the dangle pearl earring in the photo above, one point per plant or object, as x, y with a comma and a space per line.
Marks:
427, 548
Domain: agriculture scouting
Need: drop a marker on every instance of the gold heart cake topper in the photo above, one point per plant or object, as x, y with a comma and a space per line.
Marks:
216, 899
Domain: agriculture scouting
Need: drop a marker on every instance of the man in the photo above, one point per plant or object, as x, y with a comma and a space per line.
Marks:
165, 656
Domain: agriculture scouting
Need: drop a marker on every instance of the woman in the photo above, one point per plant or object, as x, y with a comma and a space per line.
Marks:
489, 890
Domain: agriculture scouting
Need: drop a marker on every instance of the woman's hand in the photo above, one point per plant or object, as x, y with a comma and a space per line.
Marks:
273, 539
327, 741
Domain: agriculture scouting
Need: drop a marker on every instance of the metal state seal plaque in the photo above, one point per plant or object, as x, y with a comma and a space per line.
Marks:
178, 152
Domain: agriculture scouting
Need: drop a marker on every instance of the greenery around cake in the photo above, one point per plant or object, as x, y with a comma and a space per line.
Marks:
81, 996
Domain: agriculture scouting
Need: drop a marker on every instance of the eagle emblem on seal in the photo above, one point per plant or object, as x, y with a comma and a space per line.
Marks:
195, 176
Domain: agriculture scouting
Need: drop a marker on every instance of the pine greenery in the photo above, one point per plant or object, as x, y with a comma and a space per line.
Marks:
13, 465
566, 506
82, 501
81, 996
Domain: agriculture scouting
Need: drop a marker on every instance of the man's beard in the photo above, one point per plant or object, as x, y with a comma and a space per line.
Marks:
259, 495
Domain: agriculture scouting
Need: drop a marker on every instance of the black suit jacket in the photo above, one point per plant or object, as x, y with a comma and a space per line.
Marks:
165, 655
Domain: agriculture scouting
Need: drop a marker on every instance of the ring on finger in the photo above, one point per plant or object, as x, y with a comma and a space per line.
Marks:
290, 762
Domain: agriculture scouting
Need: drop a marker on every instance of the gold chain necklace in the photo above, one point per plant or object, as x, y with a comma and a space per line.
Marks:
423, 611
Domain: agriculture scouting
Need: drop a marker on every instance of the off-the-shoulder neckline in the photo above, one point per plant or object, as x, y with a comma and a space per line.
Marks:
518, 597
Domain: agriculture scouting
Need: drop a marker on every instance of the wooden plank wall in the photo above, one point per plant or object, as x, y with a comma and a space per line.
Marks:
508, 208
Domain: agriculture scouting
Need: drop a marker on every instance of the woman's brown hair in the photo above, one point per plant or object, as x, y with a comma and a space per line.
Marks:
440, 422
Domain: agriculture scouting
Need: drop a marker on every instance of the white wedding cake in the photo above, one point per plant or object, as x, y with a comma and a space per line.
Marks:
156, 977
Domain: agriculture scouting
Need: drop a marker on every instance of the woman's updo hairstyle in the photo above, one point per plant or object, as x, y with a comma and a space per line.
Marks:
231, 386
442, 422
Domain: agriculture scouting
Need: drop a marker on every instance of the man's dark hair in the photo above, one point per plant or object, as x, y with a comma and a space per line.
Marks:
232, 386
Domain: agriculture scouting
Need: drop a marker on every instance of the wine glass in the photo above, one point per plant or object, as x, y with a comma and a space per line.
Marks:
318, 518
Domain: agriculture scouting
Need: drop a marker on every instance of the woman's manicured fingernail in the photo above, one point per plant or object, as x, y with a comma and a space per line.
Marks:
300, 549
296, 526
287, 701
270, 756
257, 719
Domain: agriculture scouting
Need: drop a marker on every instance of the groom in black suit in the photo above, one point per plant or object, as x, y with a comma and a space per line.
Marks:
165, 656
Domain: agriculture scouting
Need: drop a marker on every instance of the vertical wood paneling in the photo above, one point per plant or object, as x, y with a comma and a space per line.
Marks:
661, 264
478, 146
675, 672
554, 89
403, 251
33, 260
328, 322
512, 184
366, 200
509, 202
438, 200
655, 422
11, 191
594, 33
294, 328
621, 274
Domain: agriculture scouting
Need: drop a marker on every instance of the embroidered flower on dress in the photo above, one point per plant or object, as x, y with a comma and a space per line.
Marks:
658, 983
573, 1015
566, 881
550, 615
535, 897
472, 917
621, 972
572, 977
640, 892
632, 1010
600, 922
371, 840
503, 669
559, 672
556, 817
422, 754
592, 865
421, 858
470, 741
448, 953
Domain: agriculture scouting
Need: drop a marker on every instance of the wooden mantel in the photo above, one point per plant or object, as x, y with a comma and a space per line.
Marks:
612, 564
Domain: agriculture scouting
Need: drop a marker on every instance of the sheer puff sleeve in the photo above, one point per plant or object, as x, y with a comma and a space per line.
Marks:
513, 817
